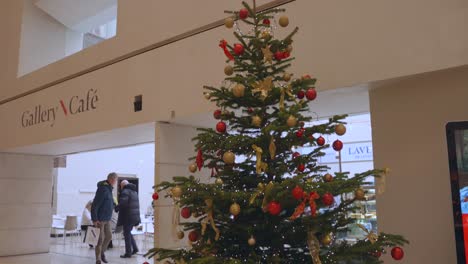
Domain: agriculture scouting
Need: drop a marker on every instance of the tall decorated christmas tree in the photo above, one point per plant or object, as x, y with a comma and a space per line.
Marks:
267, 202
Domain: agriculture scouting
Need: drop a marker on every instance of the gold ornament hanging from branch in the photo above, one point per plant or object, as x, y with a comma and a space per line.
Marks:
272, 148
260, 166
314, 247
263, 87
285, 90
371, 236
210, 219
267, 54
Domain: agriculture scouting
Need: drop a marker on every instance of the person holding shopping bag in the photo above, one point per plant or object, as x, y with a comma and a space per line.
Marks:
101, 214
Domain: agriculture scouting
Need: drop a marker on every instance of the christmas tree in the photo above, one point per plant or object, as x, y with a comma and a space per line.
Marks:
267, 202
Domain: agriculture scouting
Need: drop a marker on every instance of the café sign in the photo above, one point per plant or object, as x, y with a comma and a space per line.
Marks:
48, 114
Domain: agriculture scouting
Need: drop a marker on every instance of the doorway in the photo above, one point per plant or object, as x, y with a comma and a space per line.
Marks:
79, 164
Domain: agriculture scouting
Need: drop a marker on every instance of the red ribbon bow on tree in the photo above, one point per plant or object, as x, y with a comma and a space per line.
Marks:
300, 208
223, 45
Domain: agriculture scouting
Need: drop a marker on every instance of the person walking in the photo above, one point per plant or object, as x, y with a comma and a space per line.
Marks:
86, 218
129, 216
101, 214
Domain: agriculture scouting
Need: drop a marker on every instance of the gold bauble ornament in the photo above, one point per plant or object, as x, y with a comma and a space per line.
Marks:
195, 214
229, 157
284, 21
229, 22
340, 129
219, 181
287, 77
252, 241
328, 177
238, 90
180, 234
193, 168
256, 121
266, 34
235, 209
327, 239
176, 192
360, 194
228, 70
292, 121
207, 96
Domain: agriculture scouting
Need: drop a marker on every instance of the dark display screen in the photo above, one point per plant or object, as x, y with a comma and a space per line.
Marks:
457, 142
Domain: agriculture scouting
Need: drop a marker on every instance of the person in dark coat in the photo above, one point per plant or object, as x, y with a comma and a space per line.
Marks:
101, 214
129, 215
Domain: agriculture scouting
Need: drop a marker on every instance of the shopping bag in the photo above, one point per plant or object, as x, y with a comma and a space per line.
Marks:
92, 236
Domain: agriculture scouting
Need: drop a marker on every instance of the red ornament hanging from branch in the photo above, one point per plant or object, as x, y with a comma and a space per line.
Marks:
223, 45
199, 159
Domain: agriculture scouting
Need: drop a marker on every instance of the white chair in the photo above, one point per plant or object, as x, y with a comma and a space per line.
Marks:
71, 225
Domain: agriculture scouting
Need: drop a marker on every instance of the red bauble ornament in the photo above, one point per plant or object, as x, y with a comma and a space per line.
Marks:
286, 55
306, 77
298, 193
300, 133
238, 49
274, 208
295, 155
377, 254
300, 94
311, 94
185, 212
279, 55
301, 167
217, 114
328, 199
266, 21
193, 236
155, 196
397, 253
221, 127
320, 141
250, 110
243, 13
337, 145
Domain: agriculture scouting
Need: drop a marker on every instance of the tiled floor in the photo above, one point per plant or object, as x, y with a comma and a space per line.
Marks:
78, 253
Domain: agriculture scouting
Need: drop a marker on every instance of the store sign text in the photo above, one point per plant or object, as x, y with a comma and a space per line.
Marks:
41, 114
361, 151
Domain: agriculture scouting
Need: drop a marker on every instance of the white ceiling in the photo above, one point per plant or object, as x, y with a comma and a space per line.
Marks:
80, 15
352, 100
121, 137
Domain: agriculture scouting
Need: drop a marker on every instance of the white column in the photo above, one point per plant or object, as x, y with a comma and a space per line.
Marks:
25, 204
173, 147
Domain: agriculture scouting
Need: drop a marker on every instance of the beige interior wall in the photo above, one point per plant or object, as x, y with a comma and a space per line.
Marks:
174, 147
40, 32
343, 43
25, 203
408, 125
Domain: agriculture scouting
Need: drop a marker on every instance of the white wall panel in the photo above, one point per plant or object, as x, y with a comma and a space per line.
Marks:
173, 148
25, 191
25, 216
25, 203
24, 241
